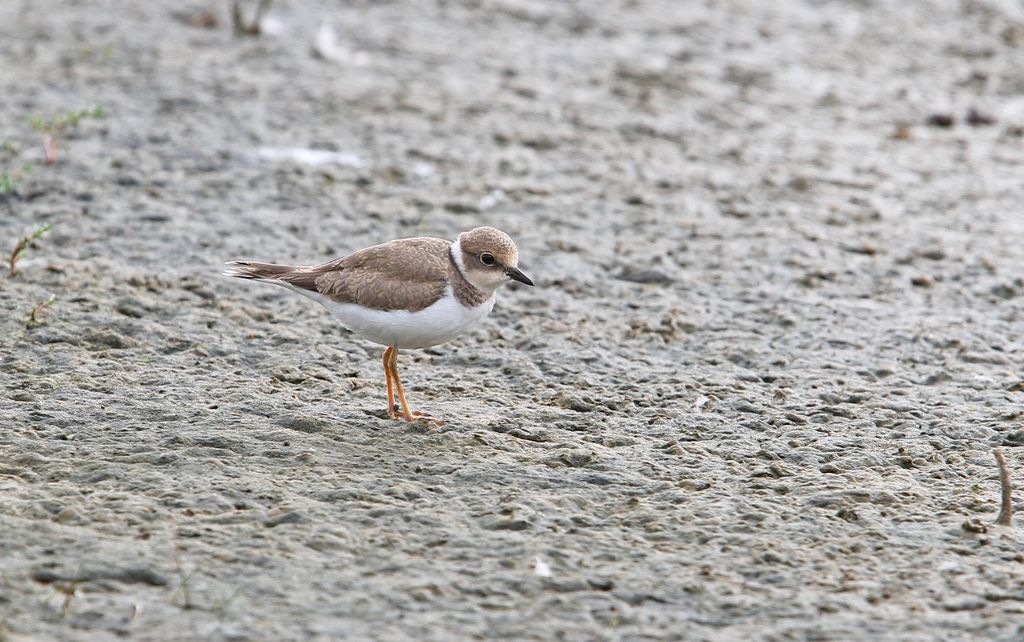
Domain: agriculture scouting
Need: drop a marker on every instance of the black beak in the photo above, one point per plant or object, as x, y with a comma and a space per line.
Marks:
516, 273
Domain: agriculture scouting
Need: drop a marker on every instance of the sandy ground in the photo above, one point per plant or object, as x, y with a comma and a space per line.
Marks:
775, 338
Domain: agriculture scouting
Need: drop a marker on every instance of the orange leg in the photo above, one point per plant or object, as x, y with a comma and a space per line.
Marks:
409, 415
398, 386
391, 389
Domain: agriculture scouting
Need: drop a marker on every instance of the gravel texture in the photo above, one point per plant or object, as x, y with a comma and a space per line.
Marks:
775, 337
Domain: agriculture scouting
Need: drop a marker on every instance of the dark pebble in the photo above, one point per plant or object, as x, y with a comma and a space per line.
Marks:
976, 118
940, 120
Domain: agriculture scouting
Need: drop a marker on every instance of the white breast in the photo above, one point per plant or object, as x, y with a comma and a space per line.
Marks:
436, 324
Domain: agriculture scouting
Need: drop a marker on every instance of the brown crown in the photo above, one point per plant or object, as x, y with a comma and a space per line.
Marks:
489, 239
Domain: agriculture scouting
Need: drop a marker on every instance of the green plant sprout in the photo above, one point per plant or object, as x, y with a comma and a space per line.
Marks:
53, 129
35, 318
10, 180
7, 184
23, 244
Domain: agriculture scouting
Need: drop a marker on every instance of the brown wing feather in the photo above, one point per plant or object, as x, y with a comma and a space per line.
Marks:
407, 274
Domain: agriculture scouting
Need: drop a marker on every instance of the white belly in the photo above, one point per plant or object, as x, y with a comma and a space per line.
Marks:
439, 323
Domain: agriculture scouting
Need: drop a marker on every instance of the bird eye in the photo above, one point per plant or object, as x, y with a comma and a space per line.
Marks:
487, 258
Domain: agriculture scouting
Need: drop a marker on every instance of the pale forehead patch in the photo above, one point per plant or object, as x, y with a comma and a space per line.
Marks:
490, 239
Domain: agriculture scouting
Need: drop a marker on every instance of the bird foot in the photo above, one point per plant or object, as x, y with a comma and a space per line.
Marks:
395, 412
424, 417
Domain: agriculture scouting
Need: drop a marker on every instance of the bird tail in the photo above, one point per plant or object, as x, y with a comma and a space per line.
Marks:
257, 271
301, 279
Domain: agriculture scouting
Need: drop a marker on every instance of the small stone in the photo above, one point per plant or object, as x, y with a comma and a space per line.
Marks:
108, 339
577, 459
138, 575
575, 402
204, 19
964, 604
745, 406
1005, 290
799, 183
902, 132
130, 307
848, 514
565, 586
99, 571
304, 424
462, 208
974, 526
650, 69
673, 448
68, 515
600, 583
771, 557
289, 375
46, 576
286, 517
936, 377
864, 248
976, 118
648, 276
507, 525
1014, 438
940, 120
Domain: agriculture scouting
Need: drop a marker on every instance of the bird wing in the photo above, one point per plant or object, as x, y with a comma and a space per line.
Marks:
407, 274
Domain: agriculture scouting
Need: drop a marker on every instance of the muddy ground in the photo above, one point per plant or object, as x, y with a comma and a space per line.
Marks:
775, 338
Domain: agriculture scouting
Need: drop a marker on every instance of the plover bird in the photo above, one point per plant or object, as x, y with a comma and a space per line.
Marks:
409, 293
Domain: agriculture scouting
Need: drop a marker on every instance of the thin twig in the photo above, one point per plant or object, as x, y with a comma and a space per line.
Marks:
253, 28
1006, 510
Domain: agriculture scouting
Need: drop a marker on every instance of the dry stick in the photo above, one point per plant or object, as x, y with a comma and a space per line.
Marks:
253, 28
1006, 510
